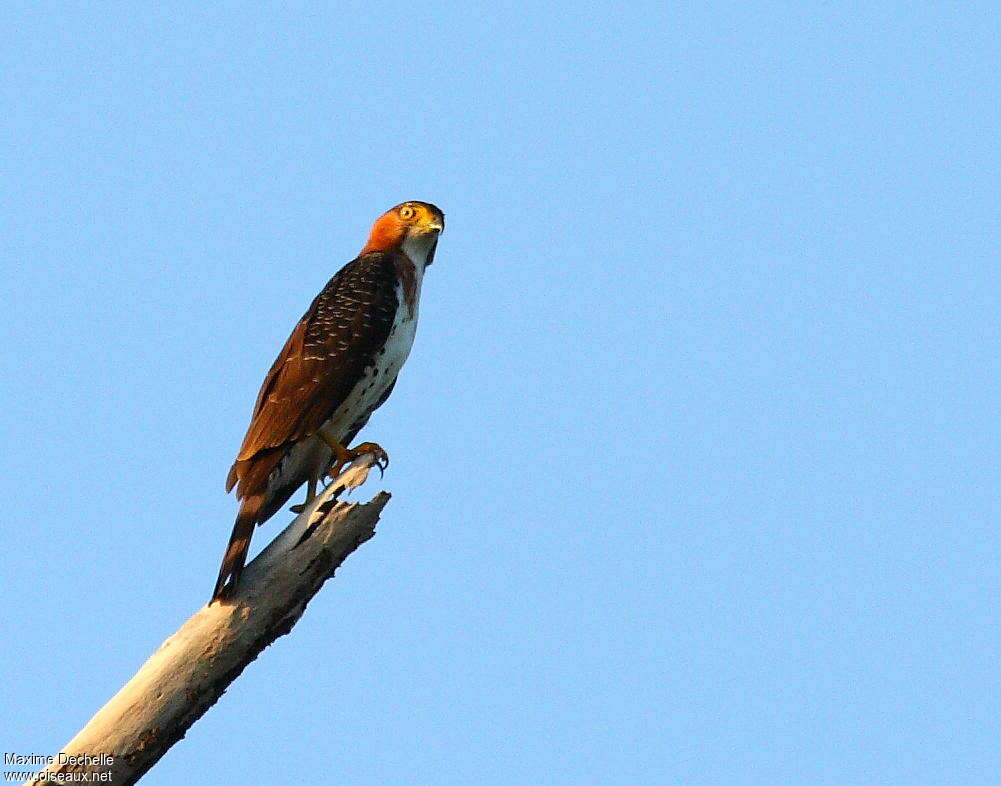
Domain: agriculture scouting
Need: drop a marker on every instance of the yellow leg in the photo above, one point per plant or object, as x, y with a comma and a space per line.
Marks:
343, 455
340, 452
310, 494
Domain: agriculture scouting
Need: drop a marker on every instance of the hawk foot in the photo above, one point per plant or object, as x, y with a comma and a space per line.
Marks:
310, 495
347, 455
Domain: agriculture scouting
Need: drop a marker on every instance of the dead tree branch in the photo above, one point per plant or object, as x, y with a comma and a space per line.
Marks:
193, 668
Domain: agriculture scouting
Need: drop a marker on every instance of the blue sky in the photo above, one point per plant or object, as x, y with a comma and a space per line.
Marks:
695, 459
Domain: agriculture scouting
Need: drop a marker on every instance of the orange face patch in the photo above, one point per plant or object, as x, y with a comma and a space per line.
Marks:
391, 227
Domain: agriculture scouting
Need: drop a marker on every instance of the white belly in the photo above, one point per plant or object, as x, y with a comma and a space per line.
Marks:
309, 454
381, 373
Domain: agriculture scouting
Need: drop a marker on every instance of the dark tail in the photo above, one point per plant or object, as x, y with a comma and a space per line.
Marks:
236, 552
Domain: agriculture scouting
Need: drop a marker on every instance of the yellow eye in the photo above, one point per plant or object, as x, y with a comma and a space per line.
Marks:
406, 212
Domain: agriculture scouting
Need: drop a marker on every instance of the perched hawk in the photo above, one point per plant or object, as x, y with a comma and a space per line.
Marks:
338, 366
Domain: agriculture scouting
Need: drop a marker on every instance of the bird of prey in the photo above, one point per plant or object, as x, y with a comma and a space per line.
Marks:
338, 366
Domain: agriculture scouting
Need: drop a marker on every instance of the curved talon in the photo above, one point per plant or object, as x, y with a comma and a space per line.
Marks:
381, 456
349, 455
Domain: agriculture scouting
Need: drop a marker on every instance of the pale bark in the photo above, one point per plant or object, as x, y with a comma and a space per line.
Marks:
192, 668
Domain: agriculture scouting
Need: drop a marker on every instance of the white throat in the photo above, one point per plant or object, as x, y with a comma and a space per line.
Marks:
418, 248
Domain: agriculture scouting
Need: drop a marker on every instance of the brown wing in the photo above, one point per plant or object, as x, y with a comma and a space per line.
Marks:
323, 359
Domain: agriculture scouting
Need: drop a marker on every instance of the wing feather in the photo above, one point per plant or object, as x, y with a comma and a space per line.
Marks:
326, 355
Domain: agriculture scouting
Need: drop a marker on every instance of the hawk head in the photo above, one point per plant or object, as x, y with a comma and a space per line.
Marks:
411, 227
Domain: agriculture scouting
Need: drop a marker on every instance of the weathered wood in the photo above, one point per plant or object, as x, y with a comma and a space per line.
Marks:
193, 668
